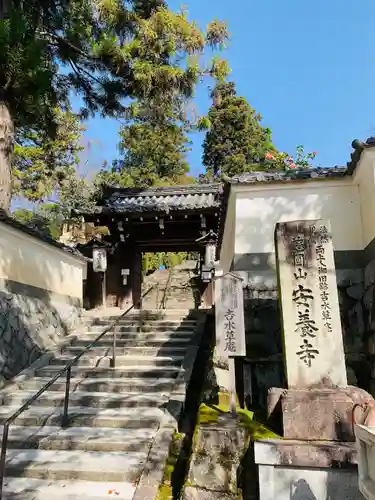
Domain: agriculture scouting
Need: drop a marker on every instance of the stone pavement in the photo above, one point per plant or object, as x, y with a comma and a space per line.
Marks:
121, 419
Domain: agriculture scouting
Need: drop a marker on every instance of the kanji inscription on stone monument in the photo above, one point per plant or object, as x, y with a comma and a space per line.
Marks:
229, 316
313, 344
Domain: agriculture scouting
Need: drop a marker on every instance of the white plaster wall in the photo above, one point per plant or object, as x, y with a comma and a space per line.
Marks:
259, 208
364, 177
27, 260
227, 247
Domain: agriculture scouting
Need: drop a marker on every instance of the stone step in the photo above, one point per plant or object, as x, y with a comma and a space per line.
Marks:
128, 371
104, 384
98, 329
157, 325
128, 360
115, 312
75, 465
154, 341
124, 418
141, 335
80, 438
41, 489
132, 350
102, 400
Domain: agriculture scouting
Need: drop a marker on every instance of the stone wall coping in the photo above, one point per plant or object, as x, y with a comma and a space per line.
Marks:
314, 454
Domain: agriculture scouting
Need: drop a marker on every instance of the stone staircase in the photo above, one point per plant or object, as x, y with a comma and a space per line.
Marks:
173, 288
116, 415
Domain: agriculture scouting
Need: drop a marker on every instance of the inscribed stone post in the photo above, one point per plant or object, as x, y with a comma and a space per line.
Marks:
313, 344
229, 316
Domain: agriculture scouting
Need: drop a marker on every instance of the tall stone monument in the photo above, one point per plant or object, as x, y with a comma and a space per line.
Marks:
313, 343
318, 403
317, 457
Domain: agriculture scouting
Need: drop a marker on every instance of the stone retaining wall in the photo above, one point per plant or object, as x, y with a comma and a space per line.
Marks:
29, 326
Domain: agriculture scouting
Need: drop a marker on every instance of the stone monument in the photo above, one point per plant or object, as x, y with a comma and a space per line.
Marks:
313, 344
316, 407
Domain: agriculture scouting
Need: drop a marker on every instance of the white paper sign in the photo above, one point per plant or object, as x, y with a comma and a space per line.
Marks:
210, 254
229, 316
99, 258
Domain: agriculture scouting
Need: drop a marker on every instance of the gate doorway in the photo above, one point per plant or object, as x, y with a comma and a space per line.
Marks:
141, 221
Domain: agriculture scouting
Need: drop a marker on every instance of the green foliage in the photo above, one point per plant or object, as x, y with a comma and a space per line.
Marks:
153, 152
235, 140
45, 218
152, 261
41, 164
109, 50
73, 193
302, 159
153, 141
284, 161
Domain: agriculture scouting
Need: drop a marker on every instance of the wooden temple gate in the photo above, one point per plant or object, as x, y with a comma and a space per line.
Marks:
164, 219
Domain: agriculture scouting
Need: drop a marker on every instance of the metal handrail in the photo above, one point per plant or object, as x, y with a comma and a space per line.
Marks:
68, 370
163, 304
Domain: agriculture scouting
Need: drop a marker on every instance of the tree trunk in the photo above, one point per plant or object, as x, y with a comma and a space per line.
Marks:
6, 150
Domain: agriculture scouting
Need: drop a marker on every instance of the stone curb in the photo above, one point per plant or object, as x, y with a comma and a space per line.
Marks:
152, 475
195, 493
153, 472
178, 396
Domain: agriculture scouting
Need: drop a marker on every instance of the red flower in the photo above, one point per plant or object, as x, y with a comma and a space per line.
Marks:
269, 156
292, 165
315, 153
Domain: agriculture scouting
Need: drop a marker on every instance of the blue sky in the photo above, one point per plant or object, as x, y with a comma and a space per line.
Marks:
307, 67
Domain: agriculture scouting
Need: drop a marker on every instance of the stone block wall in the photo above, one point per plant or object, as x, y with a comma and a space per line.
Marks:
263, 343
369, 321
350, 283
30, 325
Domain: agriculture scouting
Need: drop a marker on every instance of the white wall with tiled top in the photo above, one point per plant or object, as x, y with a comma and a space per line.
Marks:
364, 178
260, 207
348, 202
27, 260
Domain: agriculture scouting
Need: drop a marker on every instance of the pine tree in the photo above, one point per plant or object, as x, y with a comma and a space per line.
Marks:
235, 141
153, 146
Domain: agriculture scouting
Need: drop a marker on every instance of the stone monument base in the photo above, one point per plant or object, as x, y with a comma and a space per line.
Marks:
306, 470
322, 414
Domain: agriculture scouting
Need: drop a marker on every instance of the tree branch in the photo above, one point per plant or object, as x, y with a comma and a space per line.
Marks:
68, 44
88, 74
83, 83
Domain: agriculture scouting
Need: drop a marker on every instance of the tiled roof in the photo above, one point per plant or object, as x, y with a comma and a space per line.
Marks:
15, 224
196, 196
287, 175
